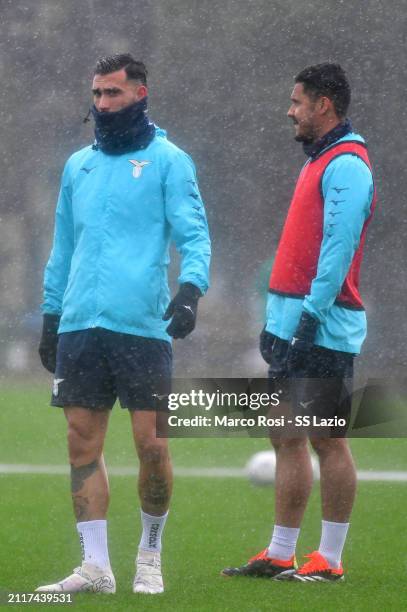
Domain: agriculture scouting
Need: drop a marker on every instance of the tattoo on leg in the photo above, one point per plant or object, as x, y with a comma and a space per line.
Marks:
156, 490
81, 508
80, 474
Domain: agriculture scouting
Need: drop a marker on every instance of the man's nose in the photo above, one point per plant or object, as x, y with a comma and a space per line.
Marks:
290, 112
104, 104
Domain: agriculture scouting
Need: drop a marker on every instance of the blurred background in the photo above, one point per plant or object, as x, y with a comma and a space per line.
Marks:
220, 77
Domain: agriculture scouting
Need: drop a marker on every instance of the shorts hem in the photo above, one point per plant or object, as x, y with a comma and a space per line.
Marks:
99, 407
143, 409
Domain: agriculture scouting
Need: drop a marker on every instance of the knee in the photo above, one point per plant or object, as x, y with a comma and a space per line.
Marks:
325, 446
83, 444
289, 445
152, 452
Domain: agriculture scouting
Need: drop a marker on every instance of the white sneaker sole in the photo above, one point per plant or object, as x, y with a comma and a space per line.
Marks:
78, 583
146, 590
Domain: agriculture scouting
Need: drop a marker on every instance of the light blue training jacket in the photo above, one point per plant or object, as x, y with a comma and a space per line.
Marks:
115, 218
340, 329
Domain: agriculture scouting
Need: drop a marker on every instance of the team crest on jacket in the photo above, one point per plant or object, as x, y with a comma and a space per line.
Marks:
138, 166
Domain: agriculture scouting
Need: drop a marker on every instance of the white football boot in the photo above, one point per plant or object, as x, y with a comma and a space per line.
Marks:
148, 577
88, 578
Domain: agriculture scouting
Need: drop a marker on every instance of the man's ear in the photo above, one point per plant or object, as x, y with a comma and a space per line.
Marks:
325, 105
141, 92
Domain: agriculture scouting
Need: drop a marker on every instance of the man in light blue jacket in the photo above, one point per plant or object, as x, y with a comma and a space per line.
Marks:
107, 306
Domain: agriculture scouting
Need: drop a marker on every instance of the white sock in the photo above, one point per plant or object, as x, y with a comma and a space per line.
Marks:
283, 542
152, 529
333, 538
93, 540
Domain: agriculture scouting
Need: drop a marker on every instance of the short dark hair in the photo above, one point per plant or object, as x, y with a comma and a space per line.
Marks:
135, 70
327, 80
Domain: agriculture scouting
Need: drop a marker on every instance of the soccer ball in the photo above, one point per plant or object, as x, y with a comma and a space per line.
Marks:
261, 468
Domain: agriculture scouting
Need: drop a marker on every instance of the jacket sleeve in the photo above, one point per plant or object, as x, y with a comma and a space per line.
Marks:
59, 263
347, 189
186, 215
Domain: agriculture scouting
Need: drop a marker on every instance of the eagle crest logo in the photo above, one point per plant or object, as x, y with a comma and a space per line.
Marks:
138, 167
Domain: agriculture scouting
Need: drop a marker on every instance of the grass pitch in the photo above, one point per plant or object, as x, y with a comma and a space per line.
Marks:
213, 523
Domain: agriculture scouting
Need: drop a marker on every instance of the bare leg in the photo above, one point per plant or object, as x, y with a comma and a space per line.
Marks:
293, 480
338, 478
155, 475
89, 483
90, 496
155, 488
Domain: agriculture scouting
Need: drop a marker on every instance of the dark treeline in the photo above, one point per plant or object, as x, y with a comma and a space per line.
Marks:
221, 74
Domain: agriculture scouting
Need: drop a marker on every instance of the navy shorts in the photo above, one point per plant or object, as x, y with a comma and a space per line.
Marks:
323, 388
97, 366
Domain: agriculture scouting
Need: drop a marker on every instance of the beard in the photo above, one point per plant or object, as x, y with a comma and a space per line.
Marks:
307, 136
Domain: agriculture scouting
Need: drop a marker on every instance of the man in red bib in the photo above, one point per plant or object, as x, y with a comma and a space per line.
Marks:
316, 323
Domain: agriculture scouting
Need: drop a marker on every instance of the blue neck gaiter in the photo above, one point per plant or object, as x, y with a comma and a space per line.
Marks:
339, 131
125, 130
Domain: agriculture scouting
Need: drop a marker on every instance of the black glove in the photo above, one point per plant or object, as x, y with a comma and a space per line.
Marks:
266, 345
302, 342
183, 309
49, 341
